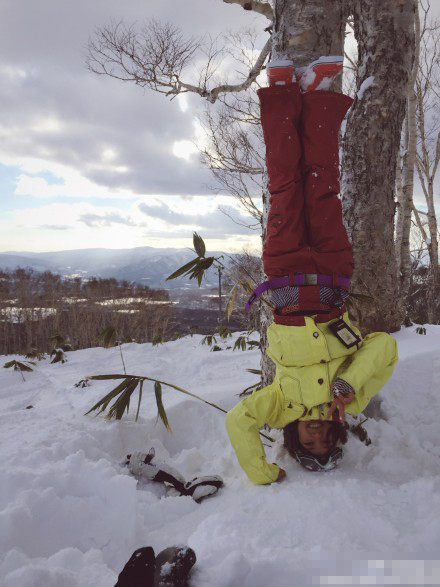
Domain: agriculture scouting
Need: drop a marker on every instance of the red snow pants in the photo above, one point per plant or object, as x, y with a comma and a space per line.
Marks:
305, 231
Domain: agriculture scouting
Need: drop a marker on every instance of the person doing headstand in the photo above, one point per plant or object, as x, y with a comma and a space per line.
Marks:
323, 367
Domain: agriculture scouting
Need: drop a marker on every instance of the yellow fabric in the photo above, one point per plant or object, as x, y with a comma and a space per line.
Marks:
308, 359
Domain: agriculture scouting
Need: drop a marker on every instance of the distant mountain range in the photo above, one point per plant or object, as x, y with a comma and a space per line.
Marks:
144, 265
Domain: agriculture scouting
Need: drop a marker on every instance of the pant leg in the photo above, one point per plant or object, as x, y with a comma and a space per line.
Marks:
322, 115
286, 247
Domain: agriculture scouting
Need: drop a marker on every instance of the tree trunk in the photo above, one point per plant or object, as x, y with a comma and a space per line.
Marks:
267, 365
307, 29
405, 196
432, 244
427, 171
303, 31
385, 34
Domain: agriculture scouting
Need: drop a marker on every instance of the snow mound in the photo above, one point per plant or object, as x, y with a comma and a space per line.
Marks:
71, 515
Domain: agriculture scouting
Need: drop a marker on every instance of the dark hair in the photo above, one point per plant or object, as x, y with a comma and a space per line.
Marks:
337, 436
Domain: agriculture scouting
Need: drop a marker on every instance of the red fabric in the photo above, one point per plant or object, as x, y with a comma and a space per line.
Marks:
305, 231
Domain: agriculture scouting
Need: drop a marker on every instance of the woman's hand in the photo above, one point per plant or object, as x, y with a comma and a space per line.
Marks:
339, 404
281, 475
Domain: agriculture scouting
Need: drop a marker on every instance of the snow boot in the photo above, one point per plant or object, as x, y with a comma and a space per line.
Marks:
141, 466
173, 566
201, 487
319, 74
280, 73
139, 570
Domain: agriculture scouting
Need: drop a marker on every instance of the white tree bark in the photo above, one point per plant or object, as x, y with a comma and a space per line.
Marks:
385, 34
405, 195
266, 317
307, 29
404, 209
427, 173
428, 156
261, 7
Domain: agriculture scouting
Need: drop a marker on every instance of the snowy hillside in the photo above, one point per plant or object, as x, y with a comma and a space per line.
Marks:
145, 265
71, 515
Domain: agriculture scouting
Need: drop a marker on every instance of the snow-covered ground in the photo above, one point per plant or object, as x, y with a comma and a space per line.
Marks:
71, 515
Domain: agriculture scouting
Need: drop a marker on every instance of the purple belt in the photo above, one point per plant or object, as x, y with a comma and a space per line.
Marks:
297, 279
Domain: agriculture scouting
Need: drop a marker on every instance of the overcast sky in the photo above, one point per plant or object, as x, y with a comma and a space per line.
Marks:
88, 161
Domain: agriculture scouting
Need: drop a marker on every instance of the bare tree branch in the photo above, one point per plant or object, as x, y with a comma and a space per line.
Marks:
224, 210
263, 8
419, 222
158, 56
234, 152
212, 95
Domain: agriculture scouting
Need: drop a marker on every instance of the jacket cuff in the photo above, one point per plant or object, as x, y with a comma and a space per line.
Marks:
341, 387
264, 474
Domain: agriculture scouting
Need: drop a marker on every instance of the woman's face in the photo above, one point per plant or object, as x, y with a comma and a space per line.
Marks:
314, 436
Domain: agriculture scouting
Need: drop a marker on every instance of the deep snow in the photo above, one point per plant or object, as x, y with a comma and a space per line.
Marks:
71, 515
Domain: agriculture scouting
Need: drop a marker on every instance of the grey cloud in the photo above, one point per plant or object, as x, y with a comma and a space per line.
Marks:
55, 227
47, 40
217, 223
142, 135
163, 212
100, 220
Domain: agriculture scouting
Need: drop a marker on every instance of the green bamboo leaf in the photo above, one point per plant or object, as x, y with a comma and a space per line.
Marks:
114, 393
103, 402
157, 340
122, 404
160, 407
186, 392
254, 371
253, 343
142, 378
199, 245
207, 262
145, 378
19, 366
202, 265
107, 337
140, 399
126, 378
240, 343
184, 269
106, 377
224, 332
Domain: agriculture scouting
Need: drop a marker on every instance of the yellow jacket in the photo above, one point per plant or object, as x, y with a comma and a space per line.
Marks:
308, 359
